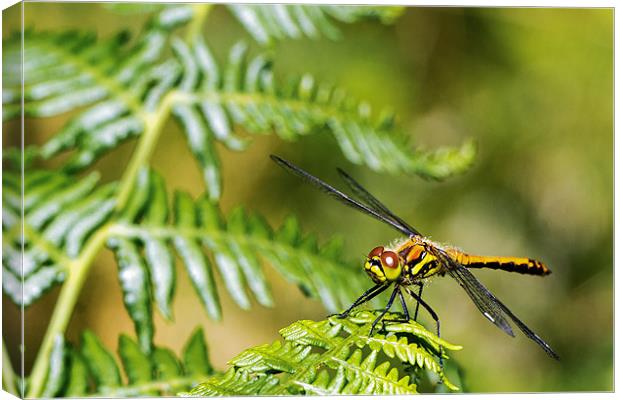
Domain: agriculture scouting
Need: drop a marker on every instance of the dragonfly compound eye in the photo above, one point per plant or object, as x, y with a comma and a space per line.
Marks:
389, 259
376, 252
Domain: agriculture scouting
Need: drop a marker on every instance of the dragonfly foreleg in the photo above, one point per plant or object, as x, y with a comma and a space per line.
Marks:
417, 305
367, 296
387, 308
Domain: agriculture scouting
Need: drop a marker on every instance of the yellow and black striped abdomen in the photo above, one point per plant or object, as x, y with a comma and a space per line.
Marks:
511, 264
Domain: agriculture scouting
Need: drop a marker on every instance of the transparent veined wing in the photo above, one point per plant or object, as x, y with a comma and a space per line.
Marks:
340, 196
374, 203
490, 306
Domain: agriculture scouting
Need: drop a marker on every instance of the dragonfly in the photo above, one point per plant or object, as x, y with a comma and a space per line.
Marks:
409, 263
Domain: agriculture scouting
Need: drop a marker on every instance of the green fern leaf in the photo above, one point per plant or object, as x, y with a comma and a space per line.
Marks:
235, 382
77, 378
196, 355
93, 371
197, 230
198, 267
135, 284
166, 366
137, 364
124, 88
333, 356
100, 361
245, 93
268, 23
60, 214
119, 89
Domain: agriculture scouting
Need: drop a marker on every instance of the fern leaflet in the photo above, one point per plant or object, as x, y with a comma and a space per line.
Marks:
61, 214
125, 89
270, 23
91, 370
142, 239
333, 356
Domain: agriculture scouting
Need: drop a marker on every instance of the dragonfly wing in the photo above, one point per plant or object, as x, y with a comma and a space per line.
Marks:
485, 301
338, 195
480, 296
374, 203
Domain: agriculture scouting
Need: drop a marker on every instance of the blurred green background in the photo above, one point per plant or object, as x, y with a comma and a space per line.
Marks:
532, 86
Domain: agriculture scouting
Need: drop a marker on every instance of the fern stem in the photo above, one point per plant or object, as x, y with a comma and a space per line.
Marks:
77, 273
39, 241
200, 13
155, 120
79, 268
8, 374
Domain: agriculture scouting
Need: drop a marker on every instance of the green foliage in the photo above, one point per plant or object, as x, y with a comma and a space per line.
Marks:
125, 88
92, 370
334, 356
146, 233
121, 88
60, 215
269, 23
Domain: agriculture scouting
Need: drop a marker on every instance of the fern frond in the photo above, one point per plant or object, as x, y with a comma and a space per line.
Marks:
269, 23
145, 234
245, 93
272, 22
60, 215
92, 370
333, 356
168, 15
63, 71
123, 87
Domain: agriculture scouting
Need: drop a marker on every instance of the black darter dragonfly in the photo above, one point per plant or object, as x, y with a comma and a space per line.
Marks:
411, 261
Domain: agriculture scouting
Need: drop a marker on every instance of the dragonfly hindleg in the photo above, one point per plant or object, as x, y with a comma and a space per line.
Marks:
417, 305
434, 316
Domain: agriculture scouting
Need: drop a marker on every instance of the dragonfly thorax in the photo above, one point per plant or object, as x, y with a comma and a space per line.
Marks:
420, 261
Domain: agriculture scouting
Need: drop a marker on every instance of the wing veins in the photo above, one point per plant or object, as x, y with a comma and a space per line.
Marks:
374, 203
338, 195
472, 285
486, 306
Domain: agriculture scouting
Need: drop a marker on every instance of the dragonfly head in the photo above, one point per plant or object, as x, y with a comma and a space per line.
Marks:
383, 265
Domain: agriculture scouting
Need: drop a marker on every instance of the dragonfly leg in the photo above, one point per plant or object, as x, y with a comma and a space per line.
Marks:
405, 310
404, 305
366, 296
387, 308
434, 316
417, 305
